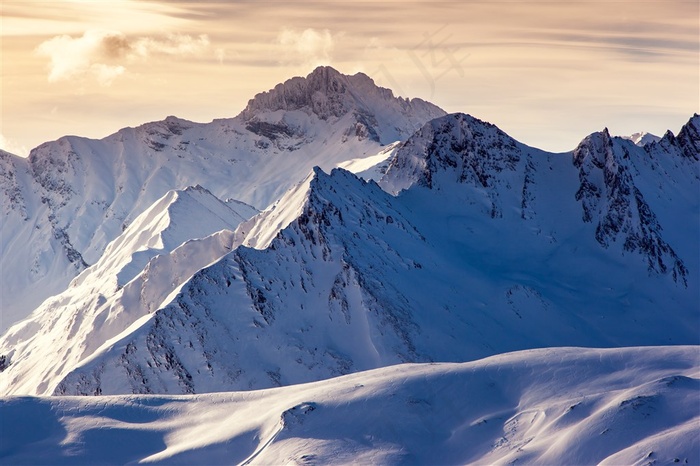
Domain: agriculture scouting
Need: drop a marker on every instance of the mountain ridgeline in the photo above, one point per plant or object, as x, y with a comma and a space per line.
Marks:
470, 244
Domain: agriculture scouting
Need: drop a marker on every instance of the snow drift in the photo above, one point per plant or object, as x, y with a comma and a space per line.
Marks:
549, 406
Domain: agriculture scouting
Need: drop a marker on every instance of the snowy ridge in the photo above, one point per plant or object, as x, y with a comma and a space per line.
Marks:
156, 254
74, 196
177, 217
259, 231
548, 406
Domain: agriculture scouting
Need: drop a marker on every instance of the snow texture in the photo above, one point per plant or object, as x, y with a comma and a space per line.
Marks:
568, 406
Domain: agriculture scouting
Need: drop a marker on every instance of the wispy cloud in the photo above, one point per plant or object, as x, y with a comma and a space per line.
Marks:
104, 55
309, 47
174, 44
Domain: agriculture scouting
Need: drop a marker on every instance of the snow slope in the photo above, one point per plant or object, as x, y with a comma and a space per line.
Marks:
490, 246
164, 246
551, 406
71, 197
373, 167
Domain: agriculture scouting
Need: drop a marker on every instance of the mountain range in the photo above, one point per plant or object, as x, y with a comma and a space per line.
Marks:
333, 229
64, 204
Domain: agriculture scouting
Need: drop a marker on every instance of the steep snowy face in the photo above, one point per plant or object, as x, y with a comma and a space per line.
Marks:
13, 201
181, 233
33, 249
73, 196
612, 184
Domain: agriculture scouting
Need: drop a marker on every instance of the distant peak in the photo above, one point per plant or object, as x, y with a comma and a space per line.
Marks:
466, 125
642, 138
170, 125
324, 70
326, 92
318, 92
602, 137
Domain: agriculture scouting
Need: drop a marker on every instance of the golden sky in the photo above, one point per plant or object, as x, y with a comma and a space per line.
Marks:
546, 72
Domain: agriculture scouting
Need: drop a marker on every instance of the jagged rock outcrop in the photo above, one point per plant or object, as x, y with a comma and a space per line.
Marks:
456, 148
689, 138
611, 200
374, 113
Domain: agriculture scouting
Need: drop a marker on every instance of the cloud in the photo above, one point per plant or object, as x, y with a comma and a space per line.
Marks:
309, 47
71, 57
174, 44
220, 55
103, 55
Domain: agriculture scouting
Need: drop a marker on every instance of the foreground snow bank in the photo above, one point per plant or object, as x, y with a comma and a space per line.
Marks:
546, 406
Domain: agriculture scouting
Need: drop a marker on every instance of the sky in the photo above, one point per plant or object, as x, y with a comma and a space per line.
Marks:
546, 72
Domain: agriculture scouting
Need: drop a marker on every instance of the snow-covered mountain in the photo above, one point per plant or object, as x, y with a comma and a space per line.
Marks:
390, 233
477, 245
568, 406
72, 197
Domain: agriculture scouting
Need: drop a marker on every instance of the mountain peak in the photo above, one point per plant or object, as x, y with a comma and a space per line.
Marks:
320, 92
327, 93
468, 148
596, 145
